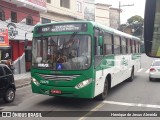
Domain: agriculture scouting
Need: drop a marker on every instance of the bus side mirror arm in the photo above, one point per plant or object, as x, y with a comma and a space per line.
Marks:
26, 41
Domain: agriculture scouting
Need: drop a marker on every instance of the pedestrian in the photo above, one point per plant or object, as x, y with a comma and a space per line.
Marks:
8, 61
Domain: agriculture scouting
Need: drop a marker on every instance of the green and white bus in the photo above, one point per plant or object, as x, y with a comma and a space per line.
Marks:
81, 59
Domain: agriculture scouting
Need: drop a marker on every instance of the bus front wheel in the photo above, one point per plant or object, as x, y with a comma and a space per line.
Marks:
103, 95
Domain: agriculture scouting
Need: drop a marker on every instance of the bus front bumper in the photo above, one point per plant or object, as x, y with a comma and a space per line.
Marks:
85, 92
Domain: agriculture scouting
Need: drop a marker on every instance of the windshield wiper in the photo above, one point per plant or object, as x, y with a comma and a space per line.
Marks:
73, 35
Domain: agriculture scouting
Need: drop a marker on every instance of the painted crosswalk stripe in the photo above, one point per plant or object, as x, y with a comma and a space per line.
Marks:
132, 104
147, 71
140, 70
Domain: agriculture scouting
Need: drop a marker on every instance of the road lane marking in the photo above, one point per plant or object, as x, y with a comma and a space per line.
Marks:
132, 104
91, 111
147, 71
140, 70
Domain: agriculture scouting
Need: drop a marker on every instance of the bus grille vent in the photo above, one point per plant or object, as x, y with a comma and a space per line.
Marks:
58, 77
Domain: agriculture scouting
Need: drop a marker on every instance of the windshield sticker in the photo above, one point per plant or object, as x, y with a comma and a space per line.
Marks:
59, 66
43, 65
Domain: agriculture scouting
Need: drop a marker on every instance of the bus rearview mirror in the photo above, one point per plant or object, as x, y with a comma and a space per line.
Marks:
100, 41
152, 28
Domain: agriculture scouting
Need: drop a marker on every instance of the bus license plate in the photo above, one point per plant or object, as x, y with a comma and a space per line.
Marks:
56, 91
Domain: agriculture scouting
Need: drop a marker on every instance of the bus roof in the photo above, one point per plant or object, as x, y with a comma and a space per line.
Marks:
114, 31
98, 25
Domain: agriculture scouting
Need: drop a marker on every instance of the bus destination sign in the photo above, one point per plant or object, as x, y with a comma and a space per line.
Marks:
75, 27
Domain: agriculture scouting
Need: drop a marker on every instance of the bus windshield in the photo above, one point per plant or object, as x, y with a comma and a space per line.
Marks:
62, 52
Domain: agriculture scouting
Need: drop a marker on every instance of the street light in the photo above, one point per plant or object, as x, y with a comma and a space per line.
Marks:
120, 10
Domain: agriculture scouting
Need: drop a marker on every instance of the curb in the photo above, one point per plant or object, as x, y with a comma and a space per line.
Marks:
23, 85
22, 82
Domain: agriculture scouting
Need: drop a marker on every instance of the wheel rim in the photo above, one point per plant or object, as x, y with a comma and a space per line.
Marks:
10, 95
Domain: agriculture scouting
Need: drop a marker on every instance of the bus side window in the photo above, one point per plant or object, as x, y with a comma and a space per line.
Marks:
98, 48
107, 47
131, 46
96, 34
138, 47
123, 45
135, 48
126, 45
117, 49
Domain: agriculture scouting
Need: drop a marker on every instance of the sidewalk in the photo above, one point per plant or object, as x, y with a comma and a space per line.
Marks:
22, 80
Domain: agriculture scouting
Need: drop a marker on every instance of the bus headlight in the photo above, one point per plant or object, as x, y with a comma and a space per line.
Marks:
83, 83
35, 81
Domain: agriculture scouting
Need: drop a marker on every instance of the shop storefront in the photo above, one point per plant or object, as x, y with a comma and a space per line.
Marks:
5, 49
18, 18
12, 43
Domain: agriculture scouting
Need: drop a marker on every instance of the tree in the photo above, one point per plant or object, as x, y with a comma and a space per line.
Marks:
134, 19
134, 26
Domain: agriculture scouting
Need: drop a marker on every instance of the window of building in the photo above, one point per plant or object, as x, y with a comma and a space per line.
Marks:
48, 1
14, 17
65, 3
107, 44
2, 15
45, 20
29, 20
79, 6
117, 48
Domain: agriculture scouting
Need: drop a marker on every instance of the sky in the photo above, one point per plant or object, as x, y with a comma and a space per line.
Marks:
127, 11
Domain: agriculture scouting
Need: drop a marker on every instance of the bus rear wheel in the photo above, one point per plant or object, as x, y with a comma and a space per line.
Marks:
132, 75
104, 94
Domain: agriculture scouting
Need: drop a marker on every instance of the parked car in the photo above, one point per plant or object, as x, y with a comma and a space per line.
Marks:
7, 84
154, 72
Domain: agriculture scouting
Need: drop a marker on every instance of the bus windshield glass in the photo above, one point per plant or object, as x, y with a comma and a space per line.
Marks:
62, 52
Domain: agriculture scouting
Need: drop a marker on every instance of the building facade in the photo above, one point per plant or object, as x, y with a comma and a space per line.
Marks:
102, 13
19, 17
89, 10
63, 10
114, 15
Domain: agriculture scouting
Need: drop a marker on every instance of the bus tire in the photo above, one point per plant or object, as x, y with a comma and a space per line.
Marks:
132, 75
104, 94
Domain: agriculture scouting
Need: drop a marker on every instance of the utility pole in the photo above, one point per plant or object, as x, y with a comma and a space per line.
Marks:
120, 10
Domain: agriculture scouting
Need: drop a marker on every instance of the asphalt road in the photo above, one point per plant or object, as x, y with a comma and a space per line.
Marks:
139, 95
